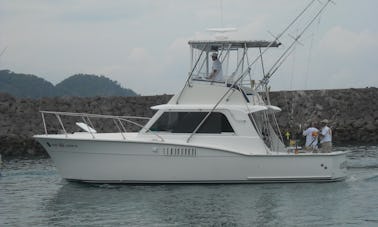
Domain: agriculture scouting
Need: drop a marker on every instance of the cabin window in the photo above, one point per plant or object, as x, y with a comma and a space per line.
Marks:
187, 122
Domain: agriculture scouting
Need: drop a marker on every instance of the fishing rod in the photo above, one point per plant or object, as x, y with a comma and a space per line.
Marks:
264, 82
286, 53
272, 42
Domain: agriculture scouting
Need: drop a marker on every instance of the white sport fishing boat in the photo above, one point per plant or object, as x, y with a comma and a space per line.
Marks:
210, 132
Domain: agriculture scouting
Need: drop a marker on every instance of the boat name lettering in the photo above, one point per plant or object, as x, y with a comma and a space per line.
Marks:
61, 145
180, 151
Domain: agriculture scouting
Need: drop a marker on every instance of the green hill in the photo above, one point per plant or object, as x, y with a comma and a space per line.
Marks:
91, 85
26, 86
31, 86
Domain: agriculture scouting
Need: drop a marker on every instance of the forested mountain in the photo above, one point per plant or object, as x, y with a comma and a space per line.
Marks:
23, 85
91, 85
31, 86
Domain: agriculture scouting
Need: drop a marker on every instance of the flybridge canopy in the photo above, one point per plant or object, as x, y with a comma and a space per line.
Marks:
207, 107
230, 44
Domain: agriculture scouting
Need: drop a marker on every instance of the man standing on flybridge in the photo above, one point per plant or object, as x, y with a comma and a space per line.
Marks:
216, 70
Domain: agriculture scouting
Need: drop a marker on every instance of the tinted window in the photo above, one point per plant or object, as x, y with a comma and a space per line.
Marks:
186, 122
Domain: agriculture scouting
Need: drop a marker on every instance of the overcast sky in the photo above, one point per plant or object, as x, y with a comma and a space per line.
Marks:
142, 44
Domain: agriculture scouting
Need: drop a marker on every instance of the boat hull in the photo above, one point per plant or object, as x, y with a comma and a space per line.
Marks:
156, 162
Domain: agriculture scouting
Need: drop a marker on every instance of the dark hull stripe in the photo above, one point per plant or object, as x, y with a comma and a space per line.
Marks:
249, 181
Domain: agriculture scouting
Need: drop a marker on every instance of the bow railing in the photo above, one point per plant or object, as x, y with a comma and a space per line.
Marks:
87, 122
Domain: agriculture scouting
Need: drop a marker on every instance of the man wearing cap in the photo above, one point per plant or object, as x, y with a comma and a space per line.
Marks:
216, 71
325, 137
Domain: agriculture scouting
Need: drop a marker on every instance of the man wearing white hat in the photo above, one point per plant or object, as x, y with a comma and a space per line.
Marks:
216, 71
325, 137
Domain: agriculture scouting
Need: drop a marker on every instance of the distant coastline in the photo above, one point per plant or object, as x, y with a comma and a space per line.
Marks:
353, 114
81, 85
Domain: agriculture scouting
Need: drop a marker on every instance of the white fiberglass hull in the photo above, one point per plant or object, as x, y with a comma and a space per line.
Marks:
143, 162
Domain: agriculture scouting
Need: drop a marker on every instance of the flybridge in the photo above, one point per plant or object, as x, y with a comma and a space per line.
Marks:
211, 45
233, 55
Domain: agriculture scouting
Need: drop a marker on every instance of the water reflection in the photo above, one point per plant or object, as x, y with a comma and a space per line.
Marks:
198, 205
164, 205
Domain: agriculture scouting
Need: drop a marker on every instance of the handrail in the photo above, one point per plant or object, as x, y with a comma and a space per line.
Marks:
87, 116
61, 123
44, 123
91, 115
115, 122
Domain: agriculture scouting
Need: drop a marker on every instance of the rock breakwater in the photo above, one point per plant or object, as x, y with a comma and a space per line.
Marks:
353, 114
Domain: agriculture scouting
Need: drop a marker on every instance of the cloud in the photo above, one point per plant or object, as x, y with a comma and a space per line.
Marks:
143, 44
346, 58
341, 41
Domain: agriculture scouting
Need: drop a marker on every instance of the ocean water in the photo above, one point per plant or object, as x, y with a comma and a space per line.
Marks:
33, 194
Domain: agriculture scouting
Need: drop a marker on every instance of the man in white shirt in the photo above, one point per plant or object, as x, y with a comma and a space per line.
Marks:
311, 137
216, 70
325, 137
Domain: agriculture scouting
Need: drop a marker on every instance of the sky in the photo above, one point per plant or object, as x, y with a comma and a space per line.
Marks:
143, 44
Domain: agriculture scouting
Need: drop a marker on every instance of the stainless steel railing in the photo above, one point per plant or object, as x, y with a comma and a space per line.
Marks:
86, 118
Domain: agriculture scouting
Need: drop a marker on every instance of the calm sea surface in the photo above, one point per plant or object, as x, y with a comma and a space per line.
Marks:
33, 194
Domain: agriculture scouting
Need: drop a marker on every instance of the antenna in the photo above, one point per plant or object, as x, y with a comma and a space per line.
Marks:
3, 51
221, 12
220, 33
